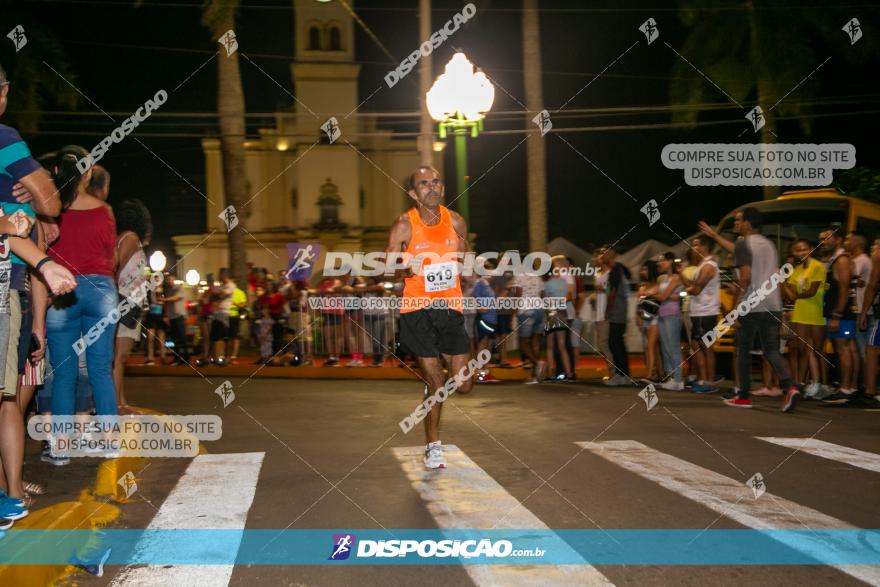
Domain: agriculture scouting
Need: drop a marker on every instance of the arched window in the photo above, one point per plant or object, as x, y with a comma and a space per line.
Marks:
335, 39
314, 38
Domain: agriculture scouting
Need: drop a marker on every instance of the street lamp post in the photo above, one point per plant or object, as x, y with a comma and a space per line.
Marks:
459, 100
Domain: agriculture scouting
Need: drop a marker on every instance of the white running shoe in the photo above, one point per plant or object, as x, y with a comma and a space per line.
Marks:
811, 390
824, 391
434, 456
672, 385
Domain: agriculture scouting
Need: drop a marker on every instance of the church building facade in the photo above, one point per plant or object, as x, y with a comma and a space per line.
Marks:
302, 187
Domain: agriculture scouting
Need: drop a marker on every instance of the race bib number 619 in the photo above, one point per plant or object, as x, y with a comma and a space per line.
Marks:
439, 276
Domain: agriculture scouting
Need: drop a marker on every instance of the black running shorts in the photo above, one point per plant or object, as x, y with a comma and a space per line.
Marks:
219, 329
432, 331
700, 325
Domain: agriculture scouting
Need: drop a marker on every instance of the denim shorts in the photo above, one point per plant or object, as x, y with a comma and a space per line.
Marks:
530, 323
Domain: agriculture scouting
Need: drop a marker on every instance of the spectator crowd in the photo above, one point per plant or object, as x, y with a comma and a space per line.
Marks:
68, 261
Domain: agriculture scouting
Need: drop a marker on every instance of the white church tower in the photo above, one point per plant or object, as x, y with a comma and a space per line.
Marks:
302, 187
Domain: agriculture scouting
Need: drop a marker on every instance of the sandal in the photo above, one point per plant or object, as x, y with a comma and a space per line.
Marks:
32, 488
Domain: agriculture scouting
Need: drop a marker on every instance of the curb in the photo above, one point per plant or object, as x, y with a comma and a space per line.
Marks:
311, 372
87, 513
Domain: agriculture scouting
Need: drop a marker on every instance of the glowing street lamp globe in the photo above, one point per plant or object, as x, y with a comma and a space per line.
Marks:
158, 261
459, 93
192, 277
459, 100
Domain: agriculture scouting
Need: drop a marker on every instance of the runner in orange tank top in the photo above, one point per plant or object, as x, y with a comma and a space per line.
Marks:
431, 321
437, 280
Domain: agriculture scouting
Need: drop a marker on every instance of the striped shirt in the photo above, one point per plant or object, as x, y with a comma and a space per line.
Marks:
15, 163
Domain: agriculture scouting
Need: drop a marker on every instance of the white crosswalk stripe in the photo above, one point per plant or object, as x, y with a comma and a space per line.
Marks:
216, 492
828, 450
729, 497
464, 496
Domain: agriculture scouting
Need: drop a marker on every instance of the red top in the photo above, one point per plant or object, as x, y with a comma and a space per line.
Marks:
87, 243
276, 303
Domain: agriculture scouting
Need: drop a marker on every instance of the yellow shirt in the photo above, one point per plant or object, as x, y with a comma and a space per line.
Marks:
239, 301
808, 310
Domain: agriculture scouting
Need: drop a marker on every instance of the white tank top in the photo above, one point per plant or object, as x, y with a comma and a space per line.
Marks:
708, 301
131, 277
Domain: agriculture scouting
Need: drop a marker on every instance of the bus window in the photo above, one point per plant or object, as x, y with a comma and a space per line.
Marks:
868, 227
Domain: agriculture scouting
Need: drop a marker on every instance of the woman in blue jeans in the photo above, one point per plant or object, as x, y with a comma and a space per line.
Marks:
81, 321
669, 320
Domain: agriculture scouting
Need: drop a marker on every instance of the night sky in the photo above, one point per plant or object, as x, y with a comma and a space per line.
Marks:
121, 54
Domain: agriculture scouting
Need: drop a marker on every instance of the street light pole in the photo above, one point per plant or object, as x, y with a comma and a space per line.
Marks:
461, 126
459, 100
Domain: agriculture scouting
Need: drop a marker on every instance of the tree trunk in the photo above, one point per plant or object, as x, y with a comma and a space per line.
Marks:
535, 148
768, 133
426, 125
764, 96
230, 107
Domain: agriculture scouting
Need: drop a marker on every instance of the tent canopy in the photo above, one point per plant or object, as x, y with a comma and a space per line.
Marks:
632, 258
637, 255
561, 246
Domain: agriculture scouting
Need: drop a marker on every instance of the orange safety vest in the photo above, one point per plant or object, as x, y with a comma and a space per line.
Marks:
439, 239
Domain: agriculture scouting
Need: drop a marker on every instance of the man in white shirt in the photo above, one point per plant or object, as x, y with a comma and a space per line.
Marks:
705, 305
855, 244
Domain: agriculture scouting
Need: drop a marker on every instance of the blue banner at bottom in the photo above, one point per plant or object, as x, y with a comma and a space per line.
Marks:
442, 547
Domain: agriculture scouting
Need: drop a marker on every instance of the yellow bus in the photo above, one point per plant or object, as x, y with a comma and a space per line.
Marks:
794, 215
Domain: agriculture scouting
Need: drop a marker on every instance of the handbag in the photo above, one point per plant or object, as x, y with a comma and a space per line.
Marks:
555, 320
648, 308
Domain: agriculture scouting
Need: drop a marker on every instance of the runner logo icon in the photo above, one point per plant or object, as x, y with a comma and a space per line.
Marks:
342, 546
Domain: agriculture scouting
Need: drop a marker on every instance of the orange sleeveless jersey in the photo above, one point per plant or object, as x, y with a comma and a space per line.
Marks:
440, 239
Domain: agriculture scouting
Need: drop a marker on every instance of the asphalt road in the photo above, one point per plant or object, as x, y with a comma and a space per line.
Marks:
332, 460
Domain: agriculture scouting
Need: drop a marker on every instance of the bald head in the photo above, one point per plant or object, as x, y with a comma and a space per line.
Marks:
412, 180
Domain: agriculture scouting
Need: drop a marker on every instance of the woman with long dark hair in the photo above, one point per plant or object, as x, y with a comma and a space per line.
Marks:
87, 247
646, 319
134, 227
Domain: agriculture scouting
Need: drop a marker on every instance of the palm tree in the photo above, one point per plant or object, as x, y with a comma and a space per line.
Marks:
218, 16
535, 149
758, 51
